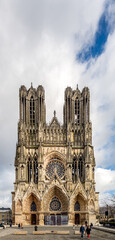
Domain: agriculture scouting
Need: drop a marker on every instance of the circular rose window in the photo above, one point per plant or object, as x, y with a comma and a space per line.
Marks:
55, 204
55, 166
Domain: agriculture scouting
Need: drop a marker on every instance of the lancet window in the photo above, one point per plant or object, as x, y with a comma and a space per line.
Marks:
35, 170
32, 168
86, 109
29, 166
33, 206
77, 206
74, 169
32, 111
77, 138
69, 107
78, 169
77, 111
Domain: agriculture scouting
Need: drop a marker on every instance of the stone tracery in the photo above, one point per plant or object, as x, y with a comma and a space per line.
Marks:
54, 163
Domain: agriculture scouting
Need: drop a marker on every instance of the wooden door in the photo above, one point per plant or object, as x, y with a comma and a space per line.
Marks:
77, 221
33, 219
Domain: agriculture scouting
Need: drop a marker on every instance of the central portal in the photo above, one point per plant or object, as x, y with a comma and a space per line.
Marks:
33, 219
56, 219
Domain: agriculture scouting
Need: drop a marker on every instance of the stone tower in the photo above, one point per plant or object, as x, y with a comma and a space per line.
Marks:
54, 164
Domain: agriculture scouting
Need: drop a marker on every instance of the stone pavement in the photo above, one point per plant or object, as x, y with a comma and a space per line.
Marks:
7, 234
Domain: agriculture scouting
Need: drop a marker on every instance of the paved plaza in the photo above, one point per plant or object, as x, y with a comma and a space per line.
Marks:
7, 234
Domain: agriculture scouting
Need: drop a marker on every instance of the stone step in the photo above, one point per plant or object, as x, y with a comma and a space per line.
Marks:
51, 232
20, 233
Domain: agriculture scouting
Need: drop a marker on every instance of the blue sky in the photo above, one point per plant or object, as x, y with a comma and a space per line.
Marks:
58, 44
97, 47
93, 50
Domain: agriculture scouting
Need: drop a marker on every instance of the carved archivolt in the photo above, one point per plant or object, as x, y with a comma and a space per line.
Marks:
55, 192
27, 203
54, 154
31, 190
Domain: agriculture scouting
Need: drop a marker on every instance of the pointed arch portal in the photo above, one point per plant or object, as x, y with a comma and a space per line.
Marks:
57, 204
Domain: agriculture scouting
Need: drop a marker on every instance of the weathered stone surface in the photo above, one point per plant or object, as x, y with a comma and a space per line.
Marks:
20, 233
77, 233
54, 163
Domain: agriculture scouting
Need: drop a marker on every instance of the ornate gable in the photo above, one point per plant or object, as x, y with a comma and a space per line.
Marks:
55, 182
31, 190
54, 123
79, 189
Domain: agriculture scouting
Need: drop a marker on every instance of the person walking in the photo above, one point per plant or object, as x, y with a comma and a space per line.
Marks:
88, 230
82, 229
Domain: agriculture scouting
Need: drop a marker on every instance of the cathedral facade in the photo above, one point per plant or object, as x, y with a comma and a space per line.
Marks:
54, 164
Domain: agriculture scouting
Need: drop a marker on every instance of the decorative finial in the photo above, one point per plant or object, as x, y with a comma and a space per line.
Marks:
54, 113
31, 84
77, 86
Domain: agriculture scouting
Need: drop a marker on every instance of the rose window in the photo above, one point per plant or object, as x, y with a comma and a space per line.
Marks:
55, 204
54, 166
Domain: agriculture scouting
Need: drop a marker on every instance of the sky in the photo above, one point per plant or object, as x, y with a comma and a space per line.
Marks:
58, 43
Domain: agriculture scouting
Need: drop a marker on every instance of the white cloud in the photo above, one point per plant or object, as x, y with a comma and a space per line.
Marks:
6, 186
100, 79
106, 199
39, 41
105, 180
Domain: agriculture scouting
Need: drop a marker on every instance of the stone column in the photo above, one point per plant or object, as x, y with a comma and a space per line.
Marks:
71, 219
41, 219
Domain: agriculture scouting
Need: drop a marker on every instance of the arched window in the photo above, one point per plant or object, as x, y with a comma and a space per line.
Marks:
86, 109
77, 138
78, 169
81, 168
35, 170
33, 206
29, 167
74, 169
77, 111
77, 206
32, 169
69, 109
32, 111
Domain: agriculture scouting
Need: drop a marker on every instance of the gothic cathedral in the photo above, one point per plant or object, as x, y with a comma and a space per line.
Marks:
54, 164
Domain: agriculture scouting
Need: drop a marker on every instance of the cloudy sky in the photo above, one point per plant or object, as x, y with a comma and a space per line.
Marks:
58, 43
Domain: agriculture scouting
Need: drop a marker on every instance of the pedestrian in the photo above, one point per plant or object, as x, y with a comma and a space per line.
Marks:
82, 230
88, 230
91, 225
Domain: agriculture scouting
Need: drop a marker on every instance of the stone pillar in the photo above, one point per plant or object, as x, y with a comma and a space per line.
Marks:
71, 219
41, 219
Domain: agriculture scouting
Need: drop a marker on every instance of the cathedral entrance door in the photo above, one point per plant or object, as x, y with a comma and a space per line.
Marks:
77, 220
33, 219
58, 219
53, 220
